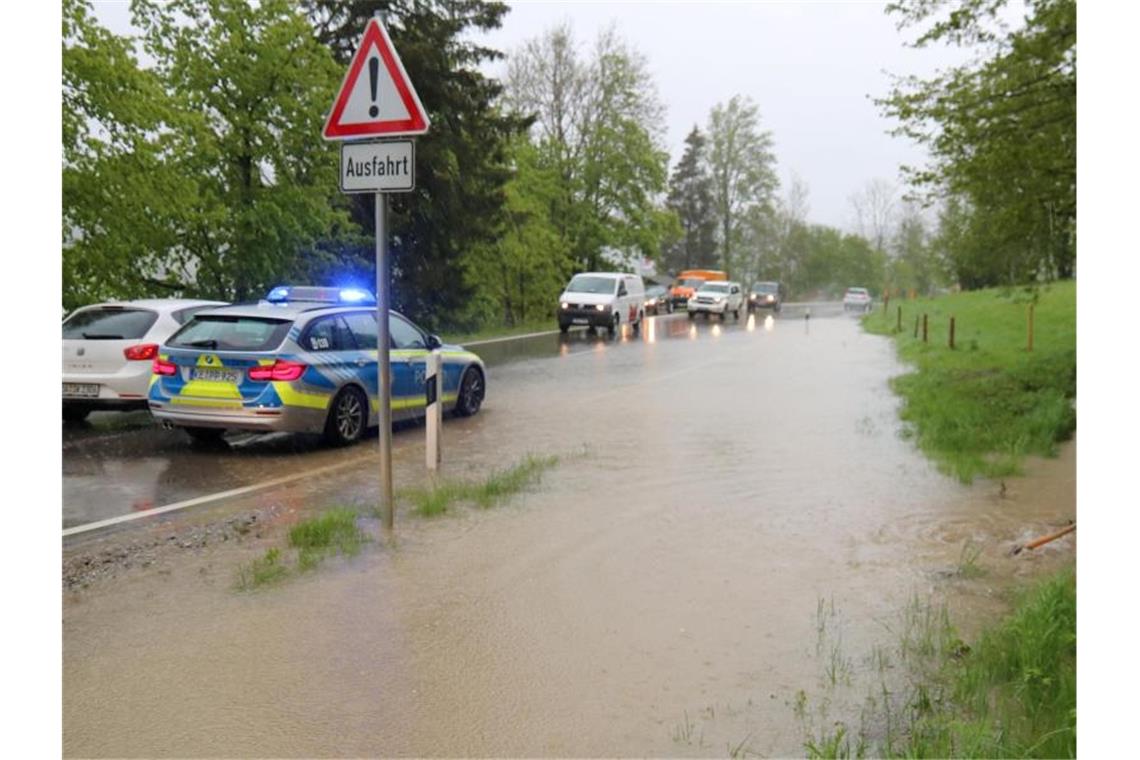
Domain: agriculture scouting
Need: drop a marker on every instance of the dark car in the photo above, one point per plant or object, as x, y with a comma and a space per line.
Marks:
766, 295
657, 300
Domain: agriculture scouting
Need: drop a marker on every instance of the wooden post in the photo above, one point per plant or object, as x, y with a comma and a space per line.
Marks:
951, 333
923, 328
1030, 346
898, 325
886, 301
916, 326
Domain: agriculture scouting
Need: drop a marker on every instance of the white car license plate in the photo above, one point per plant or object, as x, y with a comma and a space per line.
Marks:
216, 375
81, 390
581, 321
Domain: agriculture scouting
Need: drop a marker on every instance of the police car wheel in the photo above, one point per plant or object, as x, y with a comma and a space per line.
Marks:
471, 390
348, 417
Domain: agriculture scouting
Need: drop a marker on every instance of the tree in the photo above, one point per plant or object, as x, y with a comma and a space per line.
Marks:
246, 86
691, 198
116, 185
742, 167
874, 208
462, 163
1001, 132
597, 123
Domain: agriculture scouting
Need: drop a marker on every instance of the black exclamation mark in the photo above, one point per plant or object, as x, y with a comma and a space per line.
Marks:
373, 75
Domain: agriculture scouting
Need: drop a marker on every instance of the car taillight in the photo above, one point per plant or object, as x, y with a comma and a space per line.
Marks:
141, 352
279, 370
163, 367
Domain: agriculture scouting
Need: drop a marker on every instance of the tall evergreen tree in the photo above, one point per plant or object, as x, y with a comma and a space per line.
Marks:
691, 198
461, 163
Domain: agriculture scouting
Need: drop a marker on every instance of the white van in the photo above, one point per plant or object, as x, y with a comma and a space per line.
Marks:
602, 299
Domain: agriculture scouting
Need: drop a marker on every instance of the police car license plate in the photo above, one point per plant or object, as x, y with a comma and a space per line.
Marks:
81, 390
216, 375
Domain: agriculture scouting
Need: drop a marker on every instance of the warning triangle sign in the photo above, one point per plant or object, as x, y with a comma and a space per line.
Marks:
376, 98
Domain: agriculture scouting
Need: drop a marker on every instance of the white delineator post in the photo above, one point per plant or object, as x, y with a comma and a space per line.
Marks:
434, 411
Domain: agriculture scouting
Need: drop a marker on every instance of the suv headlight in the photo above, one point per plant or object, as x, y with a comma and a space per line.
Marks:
600, 307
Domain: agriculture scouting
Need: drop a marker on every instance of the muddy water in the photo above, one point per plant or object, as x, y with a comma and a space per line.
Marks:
656, 595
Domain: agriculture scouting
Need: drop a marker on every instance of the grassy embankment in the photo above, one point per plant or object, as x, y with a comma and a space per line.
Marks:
547, 324
496, 487
980, 408
1013, 694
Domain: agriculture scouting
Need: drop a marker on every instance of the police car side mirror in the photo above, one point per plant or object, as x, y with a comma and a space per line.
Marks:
433, 342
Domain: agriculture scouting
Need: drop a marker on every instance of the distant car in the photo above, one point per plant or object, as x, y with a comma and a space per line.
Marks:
657, 300
856, 299
766, 295
717, 298
108, 349
690, 281
602, 299
305, 361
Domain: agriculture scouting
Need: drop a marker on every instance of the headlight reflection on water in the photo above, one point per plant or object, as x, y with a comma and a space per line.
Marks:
769, 323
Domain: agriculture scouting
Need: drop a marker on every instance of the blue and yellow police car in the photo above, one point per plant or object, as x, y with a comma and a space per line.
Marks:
304, 359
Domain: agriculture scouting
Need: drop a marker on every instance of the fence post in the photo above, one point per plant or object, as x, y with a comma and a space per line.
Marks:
923, 328
1030, 346
434, 410
951, 332
898, 326
916, 326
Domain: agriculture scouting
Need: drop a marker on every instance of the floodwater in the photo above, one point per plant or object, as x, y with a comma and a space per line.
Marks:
656, 595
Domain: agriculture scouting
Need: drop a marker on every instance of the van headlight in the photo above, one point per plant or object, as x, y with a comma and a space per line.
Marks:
565, 305
600, 307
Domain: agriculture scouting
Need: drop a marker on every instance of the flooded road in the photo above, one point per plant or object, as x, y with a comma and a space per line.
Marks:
658, 594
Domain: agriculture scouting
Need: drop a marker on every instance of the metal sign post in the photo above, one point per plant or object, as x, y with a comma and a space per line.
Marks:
375, 100
384, 362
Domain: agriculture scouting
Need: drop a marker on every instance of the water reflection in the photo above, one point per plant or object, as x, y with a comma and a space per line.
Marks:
750, 325
769, 323
716, 331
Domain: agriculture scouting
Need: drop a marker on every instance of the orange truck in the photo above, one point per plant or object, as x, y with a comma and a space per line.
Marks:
689, 281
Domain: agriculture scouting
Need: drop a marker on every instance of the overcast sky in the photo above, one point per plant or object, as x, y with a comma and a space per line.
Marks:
810, 67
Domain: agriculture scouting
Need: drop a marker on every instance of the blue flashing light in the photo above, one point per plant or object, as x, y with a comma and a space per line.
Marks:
355, 295
278, 295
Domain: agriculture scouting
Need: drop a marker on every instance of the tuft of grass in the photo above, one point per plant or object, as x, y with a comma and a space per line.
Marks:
968, 566
332, 532
261, 571
497, 487
1013, 694
981, 408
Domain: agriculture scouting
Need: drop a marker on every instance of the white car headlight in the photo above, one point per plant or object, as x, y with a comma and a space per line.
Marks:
565, 305
600, 307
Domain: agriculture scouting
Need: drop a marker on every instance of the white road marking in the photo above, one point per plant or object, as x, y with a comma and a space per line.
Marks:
86, 528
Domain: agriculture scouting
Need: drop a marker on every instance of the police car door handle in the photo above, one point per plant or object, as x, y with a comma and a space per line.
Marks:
362, 362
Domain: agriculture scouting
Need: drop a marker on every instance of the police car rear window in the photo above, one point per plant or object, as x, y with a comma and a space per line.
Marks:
226, 333
108, 323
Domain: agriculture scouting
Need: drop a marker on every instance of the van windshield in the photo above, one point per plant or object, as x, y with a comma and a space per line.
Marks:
591, 284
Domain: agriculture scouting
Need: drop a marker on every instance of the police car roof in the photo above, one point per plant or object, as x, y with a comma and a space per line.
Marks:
266, 310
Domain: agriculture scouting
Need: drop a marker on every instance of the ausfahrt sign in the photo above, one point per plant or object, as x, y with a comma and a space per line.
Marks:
378, 167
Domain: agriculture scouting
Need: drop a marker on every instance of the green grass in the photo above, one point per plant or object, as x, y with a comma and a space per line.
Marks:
980, 408
1012, 694
499, 486
261, 571
330, 533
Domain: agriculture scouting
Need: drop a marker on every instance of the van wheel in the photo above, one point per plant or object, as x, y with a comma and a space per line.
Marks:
348, 417
74, 413
613, 328
564, 328
471, 390
736, 314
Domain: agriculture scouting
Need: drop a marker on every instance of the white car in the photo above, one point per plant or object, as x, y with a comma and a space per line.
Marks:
602, 299
717, 298
108, 350
856, 299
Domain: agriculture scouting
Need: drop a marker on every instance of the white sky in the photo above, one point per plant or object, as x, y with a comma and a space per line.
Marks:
812, 68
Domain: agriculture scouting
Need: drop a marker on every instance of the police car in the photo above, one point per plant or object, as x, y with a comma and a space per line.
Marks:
302, 360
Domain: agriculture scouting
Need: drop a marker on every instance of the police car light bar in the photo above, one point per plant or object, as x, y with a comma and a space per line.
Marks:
289, 294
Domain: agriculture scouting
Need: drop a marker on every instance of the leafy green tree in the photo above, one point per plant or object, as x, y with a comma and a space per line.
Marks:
597, 124
116, 183
462, 164
519, 277
247, 85
691, 198
742, 166
1001, 131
